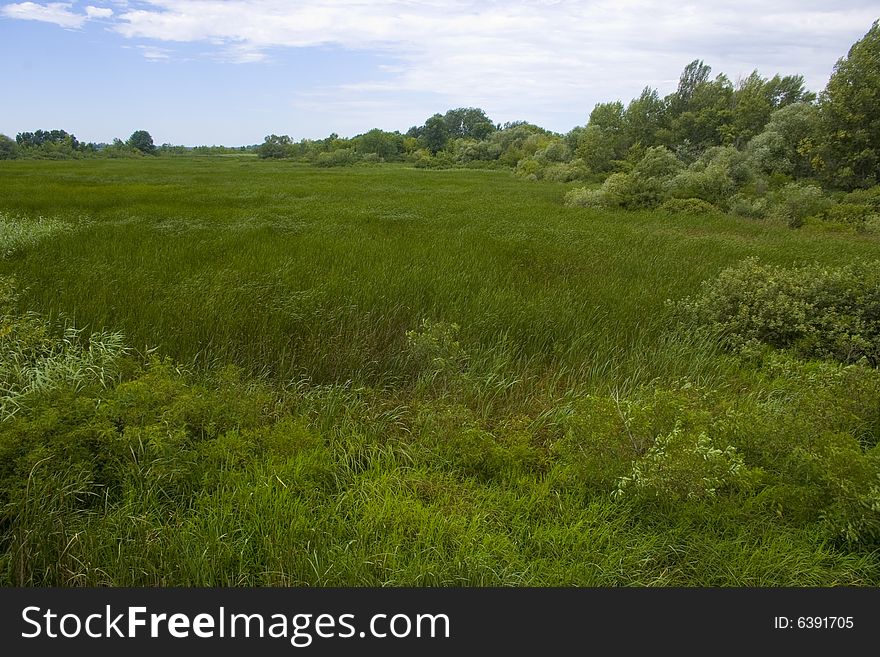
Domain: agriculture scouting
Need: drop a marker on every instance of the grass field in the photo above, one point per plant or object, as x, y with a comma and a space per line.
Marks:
389, 376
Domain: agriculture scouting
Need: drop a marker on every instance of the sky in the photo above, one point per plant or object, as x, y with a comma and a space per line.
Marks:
233, 71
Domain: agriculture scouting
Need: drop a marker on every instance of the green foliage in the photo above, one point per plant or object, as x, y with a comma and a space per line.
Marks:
586, 197
340, 157
786, 145
597, 148
435, 348
795, 202
680, 465
142, 141
435, 134
689, 206
468, 123
386, 146
816, 311
275, 147
8, 148
850, 114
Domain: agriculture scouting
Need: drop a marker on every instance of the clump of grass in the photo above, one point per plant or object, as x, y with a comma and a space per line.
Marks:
20, 232
35, 357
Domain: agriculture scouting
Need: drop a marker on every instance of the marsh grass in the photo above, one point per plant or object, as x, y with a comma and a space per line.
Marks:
390, 376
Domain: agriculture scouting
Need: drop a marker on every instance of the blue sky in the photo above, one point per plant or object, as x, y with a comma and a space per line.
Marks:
232, 71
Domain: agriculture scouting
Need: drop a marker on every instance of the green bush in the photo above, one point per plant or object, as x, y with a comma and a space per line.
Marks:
340, 157
849, 213
684, 465
586, 197
749, 207
689, 206
817, 311
795, 202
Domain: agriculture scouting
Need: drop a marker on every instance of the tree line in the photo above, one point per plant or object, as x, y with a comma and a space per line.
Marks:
59, 144
772, 126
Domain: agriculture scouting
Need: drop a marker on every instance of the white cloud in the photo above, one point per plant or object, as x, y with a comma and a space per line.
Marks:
510, 51
98, 12
520, 57
59, 13
54, 12
154, 54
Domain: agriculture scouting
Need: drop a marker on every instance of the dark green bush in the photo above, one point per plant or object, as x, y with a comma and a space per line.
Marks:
817, 311
689, 206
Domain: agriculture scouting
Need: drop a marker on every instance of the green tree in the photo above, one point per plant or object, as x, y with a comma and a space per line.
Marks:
387, 145
468, 123
850, 111
142, 141
275, 146
435, 134
645, 120
8, 148
787, 143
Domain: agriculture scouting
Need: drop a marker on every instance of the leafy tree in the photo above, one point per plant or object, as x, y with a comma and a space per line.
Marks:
645, 120
387, 145
468, 123
754, 100
142, 141
274, 146
850, 108
597, 148
788, 142
694, 75
8, 148
435, 134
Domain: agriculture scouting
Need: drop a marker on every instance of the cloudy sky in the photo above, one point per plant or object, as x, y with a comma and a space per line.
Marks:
232, 71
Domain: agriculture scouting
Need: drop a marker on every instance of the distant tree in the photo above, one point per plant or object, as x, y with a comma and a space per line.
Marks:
788, 142
850, 111
468, 123
8, 148
645, 120
436, 134
142, 141
597, 147
41, 138
694, 75
275, 146
387, 145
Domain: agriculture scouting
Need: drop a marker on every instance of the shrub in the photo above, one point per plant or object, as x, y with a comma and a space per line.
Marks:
586, 197
567, 171
435, 347
688, 206
749, 207
658, 162
795, 202
817, 311
528, 167
849, 213
339, 157
711, 185
683, 465
633, 192
8, 148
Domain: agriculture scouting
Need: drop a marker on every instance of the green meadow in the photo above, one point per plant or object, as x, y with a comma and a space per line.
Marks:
226, 371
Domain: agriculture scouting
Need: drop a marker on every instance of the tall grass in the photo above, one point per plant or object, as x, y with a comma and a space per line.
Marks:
390, 376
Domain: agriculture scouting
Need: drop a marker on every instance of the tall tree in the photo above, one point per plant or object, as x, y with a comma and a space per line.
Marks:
8, 148
436, 133
143, 141
850, 111
468, 122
